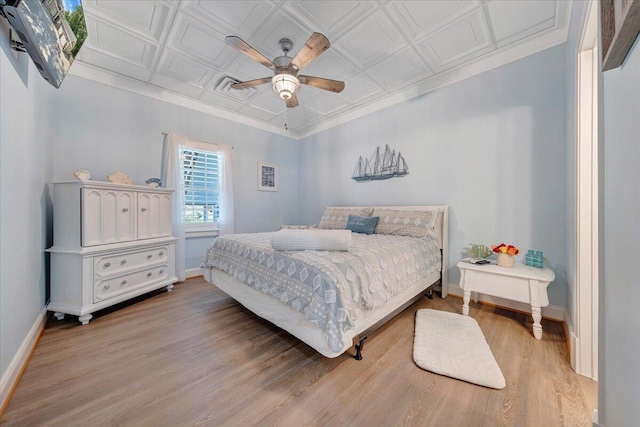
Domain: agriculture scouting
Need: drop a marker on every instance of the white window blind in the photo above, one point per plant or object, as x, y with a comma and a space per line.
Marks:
201, 177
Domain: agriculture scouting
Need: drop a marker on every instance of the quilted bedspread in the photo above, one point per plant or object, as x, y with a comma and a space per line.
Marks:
329, 287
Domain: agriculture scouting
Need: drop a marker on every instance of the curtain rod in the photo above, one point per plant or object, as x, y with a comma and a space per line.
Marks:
165, 133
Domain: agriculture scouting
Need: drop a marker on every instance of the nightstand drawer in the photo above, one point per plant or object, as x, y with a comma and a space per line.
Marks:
113, 286
109, 265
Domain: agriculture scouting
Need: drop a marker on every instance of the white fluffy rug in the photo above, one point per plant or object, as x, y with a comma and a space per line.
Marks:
453, 345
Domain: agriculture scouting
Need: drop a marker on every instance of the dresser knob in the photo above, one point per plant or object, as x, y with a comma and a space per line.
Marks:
125, 210
148, 256
123, 262
161, 271
107, 264
124, 282
143, 209
149, 274
161, 253
106, 287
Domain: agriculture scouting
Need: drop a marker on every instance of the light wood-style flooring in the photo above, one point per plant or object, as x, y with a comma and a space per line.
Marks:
195, 357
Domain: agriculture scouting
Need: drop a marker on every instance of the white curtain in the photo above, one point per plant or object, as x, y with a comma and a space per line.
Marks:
227, 219
172, 178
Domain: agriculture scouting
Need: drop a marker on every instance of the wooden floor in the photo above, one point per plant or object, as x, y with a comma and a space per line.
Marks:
195, 357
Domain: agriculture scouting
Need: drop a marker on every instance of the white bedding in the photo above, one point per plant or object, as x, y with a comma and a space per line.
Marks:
330, 291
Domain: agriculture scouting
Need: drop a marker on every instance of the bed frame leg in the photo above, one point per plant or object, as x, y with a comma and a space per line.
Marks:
430, 294
359, 347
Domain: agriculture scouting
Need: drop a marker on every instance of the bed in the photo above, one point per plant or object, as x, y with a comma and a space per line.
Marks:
332, 300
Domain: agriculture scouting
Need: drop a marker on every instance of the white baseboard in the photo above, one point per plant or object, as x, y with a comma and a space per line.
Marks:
193, 272
553, 312
15, 368
575, 345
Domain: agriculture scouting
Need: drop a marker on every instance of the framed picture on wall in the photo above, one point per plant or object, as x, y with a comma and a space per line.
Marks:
620, 20
267, 177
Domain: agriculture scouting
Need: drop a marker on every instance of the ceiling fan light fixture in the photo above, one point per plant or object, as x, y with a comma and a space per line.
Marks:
285, 85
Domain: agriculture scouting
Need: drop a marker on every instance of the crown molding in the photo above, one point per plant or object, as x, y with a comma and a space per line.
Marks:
100, 75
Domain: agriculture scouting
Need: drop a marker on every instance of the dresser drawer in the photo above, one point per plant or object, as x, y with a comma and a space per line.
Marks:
110, 287
109, 265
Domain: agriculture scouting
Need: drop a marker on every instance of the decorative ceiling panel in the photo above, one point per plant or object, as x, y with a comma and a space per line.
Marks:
419, 18
372, 41
265, 99
330, 65
404, 66
326, 103
146, 18
464, 38
360, 87
118, 67
197, 40
182, 74
278, 26
240, 18
509, 18
331, 18
120, 44
384, 51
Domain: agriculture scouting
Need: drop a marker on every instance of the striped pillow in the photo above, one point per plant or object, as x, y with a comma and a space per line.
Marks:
298, 227
336, 218
404, 222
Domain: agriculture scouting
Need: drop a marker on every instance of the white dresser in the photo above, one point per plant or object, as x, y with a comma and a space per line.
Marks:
111, 242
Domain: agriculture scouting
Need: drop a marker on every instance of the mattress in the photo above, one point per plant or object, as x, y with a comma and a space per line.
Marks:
324, 298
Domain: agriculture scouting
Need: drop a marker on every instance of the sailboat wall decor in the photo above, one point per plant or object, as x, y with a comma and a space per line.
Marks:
380, 166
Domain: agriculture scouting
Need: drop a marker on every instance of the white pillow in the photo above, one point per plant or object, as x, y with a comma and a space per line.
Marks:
319, 240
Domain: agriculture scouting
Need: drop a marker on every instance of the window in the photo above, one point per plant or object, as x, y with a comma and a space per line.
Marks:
201, 172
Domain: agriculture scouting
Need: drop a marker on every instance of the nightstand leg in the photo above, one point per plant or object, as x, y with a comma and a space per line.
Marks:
466, 298
475, 297
537, 317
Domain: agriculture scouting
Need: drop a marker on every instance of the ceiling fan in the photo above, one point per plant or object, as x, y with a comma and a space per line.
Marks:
286, 80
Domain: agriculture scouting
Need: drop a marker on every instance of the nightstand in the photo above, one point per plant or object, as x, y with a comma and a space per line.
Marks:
520, 283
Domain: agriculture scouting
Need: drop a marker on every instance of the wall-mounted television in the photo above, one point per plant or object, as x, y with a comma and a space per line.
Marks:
51, 31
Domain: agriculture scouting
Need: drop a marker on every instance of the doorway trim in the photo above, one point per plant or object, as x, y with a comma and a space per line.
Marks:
584, 338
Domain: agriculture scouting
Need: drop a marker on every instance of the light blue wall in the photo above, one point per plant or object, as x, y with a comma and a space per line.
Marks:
619, 370
118, 130
493, 147
25, 203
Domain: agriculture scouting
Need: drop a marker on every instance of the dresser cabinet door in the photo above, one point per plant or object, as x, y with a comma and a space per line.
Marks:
154, 215
107, 216
126, 216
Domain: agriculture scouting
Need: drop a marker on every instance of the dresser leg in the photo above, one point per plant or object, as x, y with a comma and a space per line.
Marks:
536, 312
85, 319
466, 298
59, 315
169, 287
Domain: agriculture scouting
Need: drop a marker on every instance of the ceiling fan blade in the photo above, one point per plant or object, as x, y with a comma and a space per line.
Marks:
293, 101
326, 84
251, 83
312, 48
245, 48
